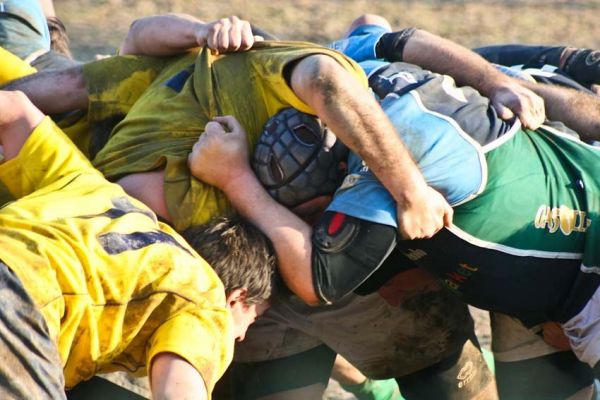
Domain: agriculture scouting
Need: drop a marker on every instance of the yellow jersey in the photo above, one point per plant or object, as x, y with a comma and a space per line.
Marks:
74, 125
12, 67
146, 113
115, 286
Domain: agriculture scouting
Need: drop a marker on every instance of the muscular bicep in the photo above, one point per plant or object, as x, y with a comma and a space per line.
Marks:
172, 377
148, 187
18, 118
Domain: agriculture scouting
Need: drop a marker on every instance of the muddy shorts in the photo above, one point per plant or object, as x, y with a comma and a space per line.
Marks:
383, 339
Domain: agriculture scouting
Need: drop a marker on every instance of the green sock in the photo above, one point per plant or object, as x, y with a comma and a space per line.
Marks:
386, 389
489, 359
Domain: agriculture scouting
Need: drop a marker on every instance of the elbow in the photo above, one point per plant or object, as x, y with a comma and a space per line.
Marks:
313, 301
324, 73
317, 79
307, 294
306, 291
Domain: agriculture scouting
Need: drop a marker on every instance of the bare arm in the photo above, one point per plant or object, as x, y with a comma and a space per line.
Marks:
579, 111
220, 158
468, 68
54, 91
356, 118
173, 378
18, 118
149, 188
175, 33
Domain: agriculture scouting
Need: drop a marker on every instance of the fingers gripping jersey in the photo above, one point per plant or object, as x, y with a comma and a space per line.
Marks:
115, 286
165, 121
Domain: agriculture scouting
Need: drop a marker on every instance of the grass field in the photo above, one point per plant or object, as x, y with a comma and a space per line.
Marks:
96, 26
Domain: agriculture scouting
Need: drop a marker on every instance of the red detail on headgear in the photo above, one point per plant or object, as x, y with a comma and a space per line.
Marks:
336, 223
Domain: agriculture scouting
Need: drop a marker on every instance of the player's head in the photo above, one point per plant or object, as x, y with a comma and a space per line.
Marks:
244, 260
298, 159
59, 41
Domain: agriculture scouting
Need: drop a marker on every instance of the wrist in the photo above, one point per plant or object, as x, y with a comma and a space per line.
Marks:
238, 182
199, 33
391, 45
491, 81
410, 189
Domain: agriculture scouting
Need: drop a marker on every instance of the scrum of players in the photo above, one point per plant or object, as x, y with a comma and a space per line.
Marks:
348, 201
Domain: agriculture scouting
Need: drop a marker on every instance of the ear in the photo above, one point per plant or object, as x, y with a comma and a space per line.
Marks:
237, 296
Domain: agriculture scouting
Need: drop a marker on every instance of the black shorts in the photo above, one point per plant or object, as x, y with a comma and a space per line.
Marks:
533, 289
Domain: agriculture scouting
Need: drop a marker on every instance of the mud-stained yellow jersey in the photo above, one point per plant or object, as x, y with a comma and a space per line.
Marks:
75, 124
12, 67
181, 95
115, 286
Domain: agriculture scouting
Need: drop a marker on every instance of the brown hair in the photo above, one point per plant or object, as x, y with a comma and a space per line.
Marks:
239, 253
59, 41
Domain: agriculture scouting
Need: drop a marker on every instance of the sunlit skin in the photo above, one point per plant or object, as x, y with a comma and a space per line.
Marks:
244, 315
311, 210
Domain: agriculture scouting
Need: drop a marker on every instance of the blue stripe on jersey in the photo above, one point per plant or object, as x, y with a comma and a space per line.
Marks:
178, 80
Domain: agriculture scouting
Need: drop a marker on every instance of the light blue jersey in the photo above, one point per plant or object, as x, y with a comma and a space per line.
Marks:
438, 122
529, 229
23, 28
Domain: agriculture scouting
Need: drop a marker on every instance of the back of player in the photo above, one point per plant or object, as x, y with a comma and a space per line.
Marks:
114, 286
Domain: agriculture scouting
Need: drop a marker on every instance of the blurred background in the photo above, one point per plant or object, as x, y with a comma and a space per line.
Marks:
96, 26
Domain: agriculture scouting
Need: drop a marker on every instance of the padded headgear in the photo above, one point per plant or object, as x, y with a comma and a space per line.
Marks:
297, 158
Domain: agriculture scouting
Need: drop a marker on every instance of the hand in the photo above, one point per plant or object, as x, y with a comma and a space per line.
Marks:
221, 153
425, 213
554, 335
516, 99
227, 35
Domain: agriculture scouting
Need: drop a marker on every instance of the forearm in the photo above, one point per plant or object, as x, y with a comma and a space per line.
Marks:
18, 118
54, 91
352, 113
161, 35
579, 111
288, 233
443, 56
176, 33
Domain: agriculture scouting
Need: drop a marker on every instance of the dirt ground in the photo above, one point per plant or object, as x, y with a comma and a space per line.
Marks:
482, 328
97, 26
